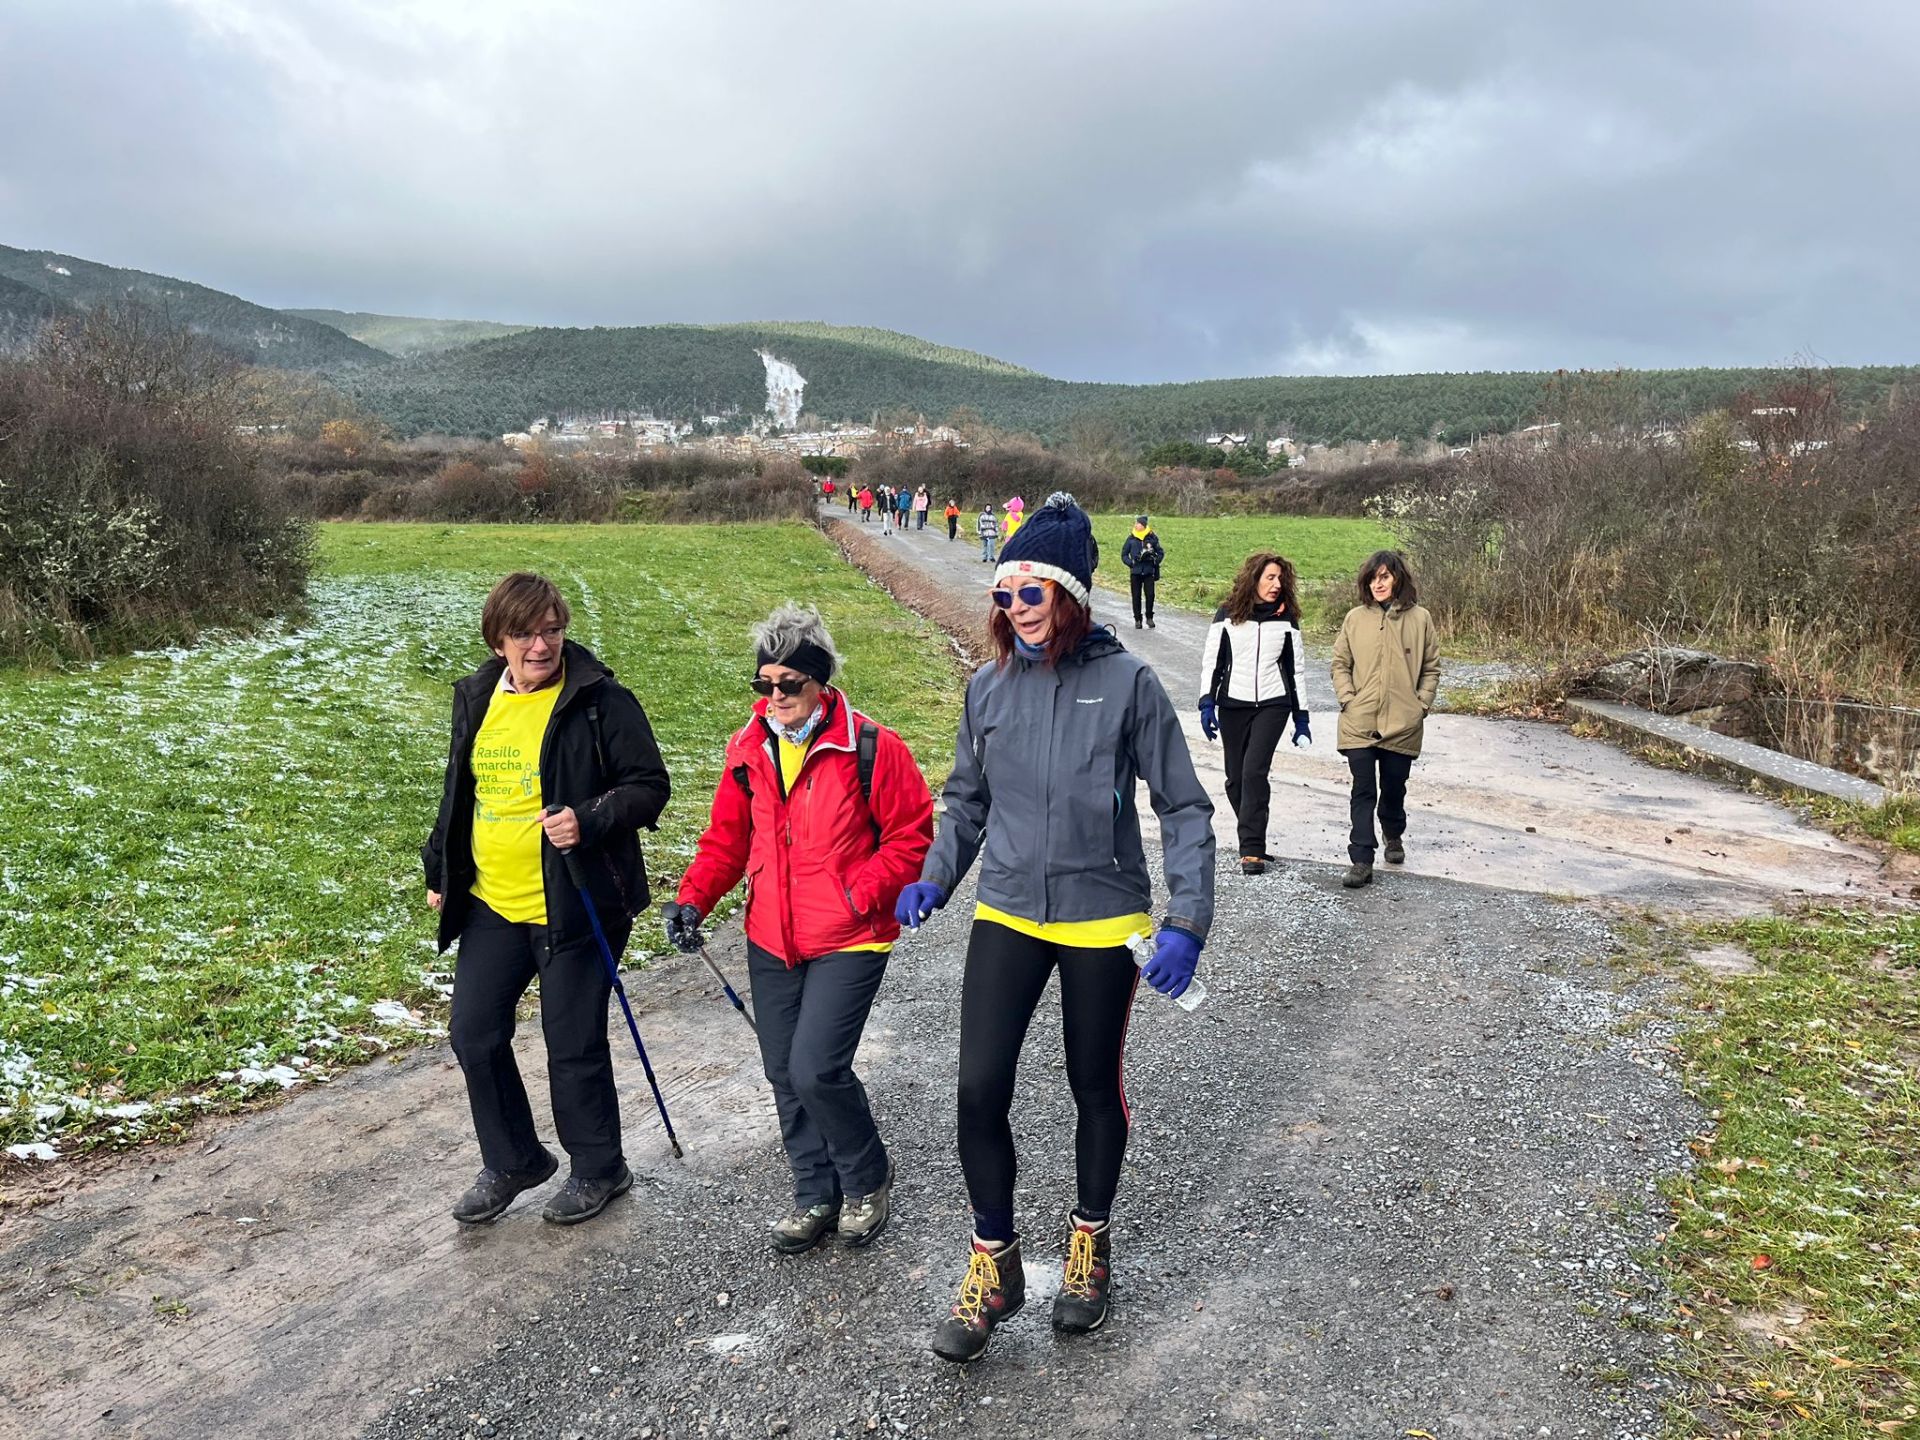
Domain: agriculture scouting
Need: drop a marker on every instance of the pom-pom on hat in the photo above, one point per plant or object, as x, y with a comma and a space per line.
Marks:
1053, 543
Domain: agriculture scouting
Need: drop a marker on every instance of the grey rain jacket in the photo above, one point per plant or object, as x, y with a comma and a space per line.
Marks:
1043, 791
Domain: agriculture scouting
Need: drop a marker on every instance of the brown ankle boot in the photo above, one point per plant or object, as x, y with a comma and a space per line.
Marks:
1081, 1304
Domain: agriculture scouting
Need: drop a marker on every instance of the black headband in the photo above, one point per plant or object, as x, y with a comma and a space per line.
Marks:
809, 659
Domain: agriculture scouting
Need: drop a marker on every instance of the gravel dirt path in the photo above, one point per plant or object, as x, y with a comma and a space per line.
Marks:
1395, 1176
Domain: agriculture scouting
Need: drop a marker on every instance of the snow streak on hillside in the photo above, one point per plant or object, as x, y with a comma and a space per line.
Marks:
784, 387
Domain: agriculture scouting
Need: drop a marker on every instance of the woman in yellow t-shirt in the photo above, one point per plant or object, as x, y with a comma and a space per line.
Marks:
549, 753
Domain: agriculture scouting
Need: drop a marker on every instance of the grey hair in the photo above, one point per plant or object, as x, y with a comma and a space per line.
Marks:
790, 627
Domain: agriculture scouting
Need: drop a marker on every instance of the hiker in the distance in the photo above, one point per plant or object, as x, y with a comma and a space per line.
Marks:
866, 505
826, 814
886, 510
1386, 672
988, 529
903, 505
953, 519
853, 497
1053, 737
1142, 555
920, 502
1016, 512
1249, 690
549, 753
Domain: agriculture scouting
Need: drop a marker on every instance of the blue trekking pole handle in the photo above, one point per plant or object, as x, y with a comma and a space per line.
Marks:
578, 876
732, 998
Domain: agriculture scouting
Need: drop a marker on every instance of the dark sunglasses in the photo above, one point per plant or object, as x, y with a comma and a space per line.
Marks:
788, 686
1029, 595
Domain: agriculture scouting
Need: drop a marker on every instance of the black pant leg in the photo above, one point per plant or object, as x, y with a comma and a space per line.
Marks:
574, 991
1005, 975
1394, 769
835, 999
1236, 728
777, 997
1147, 585
492, 972
1360, 840
1264, 728
1137, 585
1096, 999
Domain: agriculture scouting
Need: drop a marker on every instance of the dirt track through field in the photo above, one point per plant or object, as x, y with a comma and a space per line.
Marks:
1393, 1176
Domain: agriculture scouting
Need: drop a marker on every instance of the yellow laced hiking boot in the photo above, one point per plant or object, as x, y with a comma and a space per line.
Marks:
1081, 1304
995, 1288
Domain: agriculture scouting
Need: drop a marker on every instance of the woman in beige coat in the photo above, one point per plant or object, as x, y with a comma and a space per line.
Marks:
1386, 668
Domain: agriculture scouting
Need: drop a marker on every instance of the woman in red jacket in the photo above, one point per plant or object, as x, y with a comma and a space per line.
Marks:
828, 818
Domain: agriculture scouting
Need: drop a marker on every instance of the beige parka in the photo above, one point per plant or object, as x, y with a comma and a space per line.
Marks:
1386, 670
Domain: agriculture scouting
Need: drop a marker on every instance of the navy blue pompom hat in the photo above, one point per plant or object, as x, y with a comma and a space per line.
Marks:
1053, 543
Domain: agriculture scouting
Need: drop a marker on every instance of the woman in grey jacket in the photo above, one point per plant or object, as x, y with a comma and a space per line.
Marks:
1053, 738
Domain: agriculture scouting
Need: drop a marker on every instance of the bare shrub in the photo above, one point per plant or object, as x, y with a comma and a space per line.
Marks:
130, 511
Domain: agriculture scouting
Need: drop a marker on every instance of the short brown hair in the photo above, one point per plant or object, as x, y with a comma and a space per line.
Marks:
518, 603
1405, 594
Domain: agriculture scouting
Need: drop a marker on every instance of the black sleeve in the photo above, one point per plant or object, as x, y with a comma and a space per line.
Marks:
637, 785
433, 854
1286, 673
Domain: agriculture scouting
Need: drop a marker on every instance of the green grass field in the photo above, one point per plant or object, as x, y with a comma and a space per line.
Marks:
211, 880
1204, 554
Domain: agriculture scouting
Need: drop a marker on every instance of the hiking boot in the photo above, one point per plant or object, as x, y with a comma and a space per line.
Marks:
1253, 864
1081, 1305
1358, 873
1150, 622
494, 1190
1136, 624
863, 1220
582, 1199
994, 1290
799, 1232
1395, 853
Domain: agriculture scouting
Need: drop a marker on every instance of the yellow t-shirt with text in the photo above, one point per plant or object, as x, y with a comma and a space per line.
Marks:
507, 802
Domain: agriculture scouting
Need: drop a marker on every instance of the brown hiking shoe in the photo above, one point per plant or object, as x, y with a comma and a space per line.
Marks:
1359, 873
1081, 1305
1253, 864
994, 1290
865, 1216
800, 1231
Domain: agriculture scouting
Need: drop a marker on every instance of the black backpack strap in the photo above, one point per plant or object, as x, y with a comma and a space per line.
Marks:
599, 750
866, 746
740, 778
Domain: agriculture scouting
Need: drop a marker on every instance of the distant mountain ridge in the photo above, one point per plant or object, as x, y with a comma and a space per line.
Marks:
404, 335
251, 332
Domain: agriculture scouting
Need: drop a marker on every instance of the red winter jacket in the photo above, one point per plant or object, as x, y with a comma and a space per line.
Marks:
816, 881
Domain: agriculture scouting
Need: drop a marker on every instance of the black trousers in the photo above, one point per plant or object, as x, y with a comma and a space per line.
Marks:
1005, 975
1142, 585
1379, 781
1248, 737
498, 960
810, 1018
953, 526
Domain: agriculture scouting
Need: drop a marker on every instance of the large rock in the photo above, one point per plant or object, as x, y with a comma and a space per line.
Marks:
1674, 680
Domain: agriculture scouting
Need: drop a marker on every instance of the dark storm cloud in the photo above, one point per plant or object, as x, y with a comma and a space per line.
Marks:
1113, 190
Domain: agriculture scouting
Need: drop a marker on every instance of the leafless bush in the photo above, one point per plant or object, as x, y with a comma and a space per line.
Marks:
1759, 531
129, 510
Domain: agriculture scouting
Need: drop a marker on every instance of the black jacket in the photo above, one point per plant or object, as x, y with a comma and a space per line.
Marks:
598, 757
1142, 555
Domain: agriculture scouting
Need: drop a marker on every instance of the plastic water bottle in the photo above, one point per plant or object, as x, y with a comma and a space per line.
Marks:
1141, 944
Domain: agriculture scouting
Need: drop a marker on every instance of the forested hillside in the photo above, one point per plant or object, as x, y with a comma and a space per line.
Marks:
250, 332
408, 334
686, 371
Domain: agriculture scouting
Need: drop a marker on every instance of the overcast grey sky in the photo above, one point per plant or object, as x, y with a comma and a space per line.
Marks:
1101, 189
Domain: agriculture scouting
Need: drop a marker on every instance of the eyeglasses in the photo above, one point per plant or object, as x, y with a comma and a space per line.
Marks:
553, 635
787, 685
1028, 595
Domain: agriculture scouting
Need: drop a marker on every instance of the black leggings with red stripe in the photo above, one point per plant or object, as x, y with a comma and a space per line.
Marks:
1005, 975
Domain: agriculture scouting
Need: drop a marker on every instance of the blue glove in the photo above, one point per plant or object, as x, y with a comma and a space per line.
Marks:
917, 902
1175, 953
683, 927
1209, 726
1302, 728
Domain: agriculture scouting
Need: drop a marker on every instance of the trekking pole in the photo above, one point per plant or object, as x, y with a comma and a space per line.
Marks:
732, 998
613, 973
